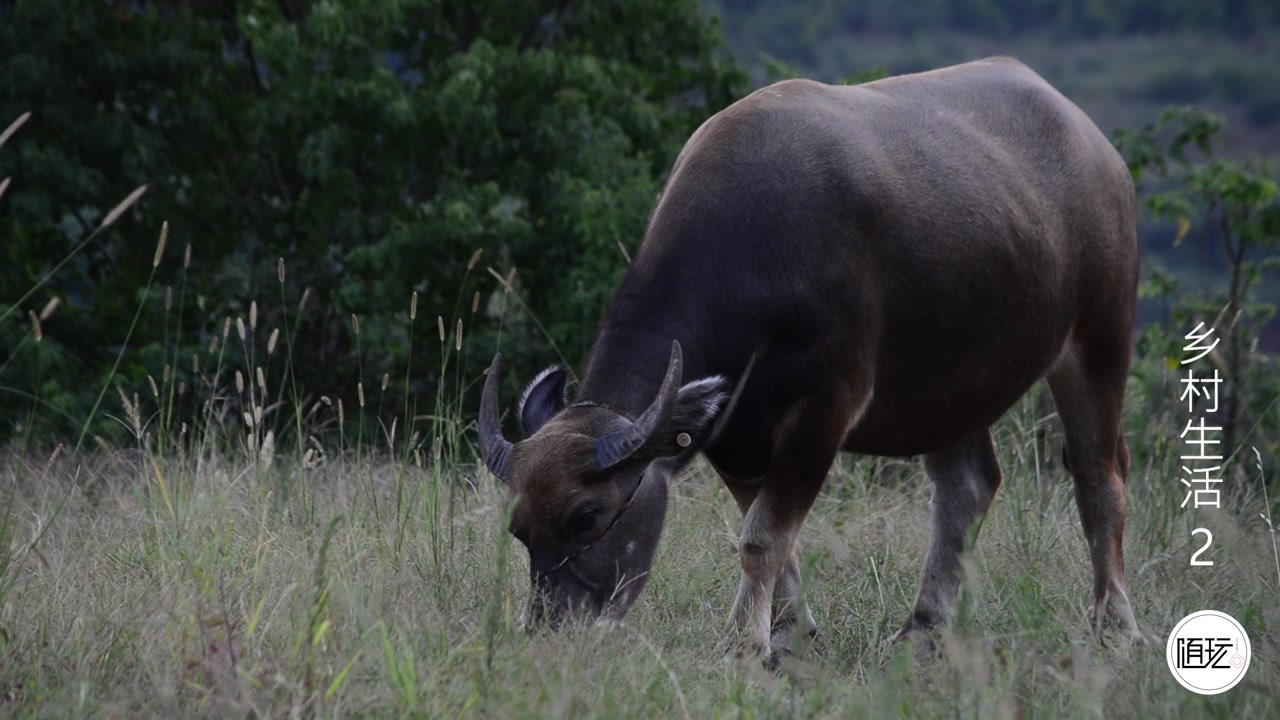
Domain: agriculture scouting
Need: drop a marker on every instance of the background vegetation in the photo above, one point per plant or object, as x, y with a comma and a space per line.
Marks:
497, 159
1116, 59
376, 146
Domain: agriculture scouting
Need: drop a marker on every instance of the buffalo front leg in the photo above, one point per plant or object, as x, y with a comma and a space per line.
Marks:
805, 443
789, 609
965, 478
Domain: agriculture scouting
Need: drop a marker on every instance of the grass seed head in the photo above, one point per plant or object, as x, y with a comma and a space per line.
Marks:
504, 282
386, 377
239, 383
355, 323
127, 203
253, 316
302, 303
271, 342
131, 411
475, 258
262, 380
50, 307
155, 390
457, 337
13, 127
164, 237
280, 270
35, 325
440, 326
413, 306
186, 257
360, 392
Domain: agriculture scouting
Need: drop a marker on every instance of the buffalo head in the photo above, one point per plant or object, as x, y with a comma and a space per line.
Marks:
591, 485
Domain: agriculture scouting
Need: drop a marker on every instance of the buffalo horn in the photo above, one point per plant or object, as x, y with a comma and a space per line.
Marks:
494, 448
618, 446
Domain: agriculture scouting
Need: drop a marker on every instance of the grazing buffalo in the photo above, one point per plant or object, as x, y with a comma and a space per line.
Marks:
880, 269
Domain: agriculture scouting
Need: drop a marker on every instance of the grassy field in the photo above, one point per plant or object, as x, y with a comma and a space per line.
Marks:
246, 584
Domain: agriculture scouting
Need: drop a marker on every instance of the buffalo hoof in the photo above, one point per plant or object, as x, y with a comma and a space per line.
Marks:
773, 661
920, 638
786, 639
747, 650
1115, 628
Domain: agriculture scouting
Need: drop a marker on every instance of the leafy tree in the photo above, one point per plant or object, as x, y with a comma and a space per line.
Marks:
1229, 207
376, 147
791, 30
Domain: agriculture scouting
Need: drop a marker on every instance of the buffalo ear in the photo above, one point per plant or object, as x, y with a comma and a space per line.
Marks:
697, 406
542, 399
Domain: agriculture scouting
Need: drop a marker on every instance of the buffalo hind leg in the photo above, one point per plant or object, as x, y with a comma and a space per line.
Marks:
789, 607
965, 478
1089, 401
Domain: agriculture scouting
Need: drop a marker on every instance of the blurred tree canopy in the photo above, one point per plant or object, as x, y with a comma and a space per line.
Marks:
792, 29
374, 146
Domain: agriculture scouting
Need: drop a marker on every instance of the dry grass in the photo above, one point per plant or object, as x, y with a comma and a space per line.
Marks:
160, 586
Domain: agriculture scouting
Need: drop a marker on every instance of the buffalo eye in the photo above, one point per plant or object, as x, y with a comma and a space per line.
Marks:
581, 521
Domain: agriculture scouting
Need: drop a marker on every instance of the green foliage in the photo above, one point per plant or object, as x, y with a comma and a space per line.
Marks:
791, 29
375, 147
865, 76
1231, 208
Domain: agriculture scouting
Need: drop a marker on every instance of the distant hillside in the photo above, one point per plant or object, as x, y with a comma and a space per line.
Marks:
789, 28
1120, 61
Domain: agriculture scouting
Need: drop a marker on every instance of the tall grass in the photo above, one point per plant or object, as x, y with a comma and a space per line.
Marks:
218, 598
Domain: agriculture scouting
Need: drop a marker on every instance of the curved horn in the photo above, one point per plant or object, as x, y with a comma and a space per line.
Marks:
618, 446
494, 448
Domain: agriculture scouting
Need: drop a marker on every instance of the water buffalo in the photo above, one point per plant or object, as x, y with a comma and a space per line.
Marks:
898, 262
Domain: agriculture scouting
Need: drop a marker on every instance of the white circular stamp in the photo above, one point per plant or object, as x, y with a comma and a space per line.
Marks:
1208, 652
